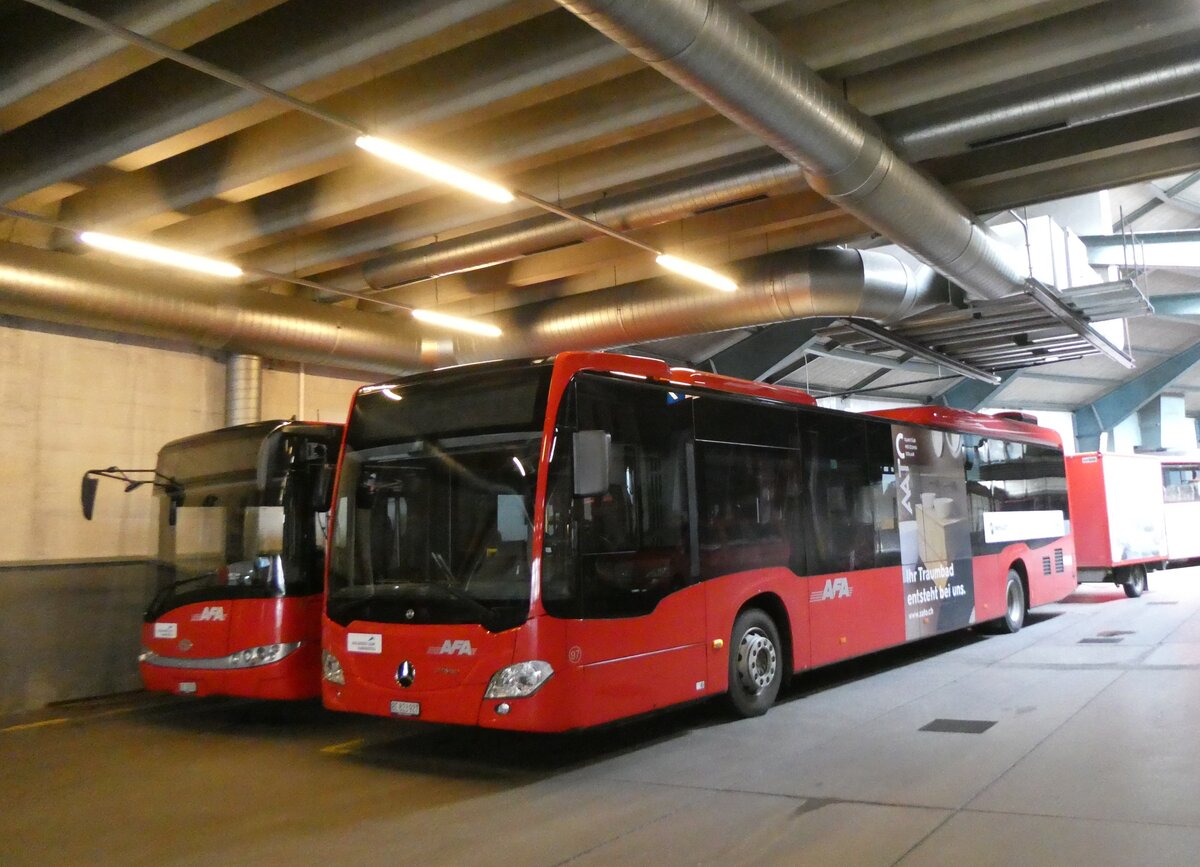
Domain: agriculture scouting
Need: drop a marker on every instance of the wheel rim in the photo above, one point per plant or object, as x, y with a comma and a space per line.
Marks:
756, 661
1016, 604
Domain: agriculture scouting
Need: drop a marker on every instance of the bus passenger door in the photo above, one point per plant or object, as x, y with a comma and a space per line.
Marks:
639, 643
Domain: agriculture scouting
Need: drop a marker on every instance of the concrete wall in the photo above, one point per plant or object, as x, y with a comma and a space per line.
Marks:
71, 591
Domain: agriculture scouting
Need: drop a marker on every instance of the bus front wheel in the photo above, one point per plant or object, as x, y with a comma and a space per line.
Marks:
755, 663
1135, 582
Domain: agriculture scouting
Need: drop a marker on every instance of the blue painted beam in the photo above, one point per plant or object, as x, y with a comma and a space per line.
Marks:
1178, 305
1123, 401
971, 394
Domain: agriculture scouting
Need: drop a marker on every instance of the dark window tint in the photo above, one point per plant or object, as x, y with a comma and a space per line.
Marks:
631, 541
749, 506
881, 481
839, 494
462, 402
728, 420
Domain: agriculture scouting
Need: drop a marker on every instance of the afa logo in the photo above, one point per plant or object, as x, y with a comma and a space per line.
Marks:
835, 588
453, 648
210, 613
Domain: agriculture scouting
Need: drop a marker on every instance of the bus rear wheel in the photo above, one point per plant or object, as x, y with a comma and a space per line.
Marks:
755, 663
1015, 604
1135, 582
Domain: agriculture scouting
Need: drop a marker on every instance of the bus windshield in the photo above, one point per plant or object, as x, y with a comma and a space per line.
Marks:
435, 500
241, 521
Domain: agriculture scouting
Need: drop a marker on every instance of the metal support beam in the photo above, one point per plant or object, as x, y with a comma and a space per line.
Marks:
1056, 307
1178, 305
971, 394
881, 334
1126, 399
760, 354
1136, 214
1173, 249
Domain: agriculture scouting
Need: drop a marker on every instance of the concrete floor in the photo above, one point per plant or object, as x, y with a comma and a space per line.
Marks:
1093, 760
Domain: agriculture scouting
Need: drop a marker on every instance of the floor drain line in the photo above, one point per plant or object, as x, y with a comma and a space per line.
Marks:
1101, 640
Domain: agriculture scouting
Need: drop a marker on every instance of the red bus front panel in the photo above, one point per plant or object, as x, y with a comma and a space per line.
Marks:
188, 649
446, 669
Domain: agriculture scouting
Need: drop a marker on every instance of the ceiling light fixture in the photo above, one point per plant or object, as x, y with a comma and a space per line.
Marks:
699, 273
456, 323
161, 255
435, 169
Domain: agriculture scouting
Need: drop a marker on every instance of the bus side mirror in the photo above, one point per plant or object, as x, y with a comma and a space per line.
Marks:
87, 495
592, 449
321, 487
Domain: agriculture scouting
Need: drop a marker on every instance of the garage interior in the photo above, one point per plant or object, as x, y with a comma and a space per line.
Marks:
985, 206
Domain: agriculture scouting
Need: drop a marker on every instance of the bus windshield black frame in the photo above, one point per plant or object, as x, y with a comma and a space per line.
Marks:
434, 510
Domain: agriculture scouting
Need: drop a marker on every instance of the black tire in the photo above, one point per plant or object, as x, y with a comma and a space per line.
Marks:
1136, 582
1015, 604
756, 663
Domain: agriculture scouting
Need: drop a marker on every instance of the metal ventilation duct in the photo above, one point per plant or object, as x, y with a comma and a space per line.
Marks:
724, 56
243, 389
77, 291
1136, 84
794, 284
789, 285
1081, 99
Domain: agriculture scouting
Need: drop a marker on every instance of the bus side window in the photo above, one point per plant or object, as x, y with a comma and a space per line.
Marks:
881, 476
633, 538
748, 508
839, 496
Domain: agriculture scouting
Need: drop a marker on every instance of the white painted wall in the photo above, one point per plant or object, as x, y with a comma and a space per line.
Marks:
325, 398
73, 403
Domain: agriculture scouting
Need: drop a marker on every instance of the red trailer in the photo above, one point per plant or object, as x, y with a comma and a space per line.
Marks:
1117, 518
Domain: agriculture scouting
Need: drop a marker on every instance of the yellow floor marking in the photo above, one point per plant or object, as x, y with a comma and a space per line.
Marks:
343, 748
35, 725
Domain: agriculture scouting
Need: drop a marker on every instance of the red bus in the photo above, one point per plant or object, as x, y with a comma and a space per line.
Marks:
554, 544
241, 559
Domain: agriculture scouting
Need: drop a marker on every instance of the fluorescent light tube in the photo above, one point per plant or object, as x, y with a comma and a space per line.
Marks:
457, 323
161, 255
435, 169
699, 273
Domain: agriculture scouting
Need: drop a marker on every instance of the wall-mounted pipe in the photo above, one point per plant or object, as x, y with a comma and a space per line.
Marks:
243, 389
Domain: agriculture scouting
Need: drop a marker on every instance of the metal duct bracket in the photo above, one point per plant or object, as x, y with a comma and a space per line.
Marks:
1036, 326
881, 335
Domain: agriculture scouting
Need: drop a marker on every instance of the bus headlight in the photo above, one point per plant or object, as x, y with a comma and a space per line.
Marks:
266, 654
331, 669
519, 680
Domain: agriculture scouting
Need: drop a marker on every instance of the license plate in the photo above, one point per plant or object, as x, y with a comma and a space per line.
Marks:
187, 687
406, 708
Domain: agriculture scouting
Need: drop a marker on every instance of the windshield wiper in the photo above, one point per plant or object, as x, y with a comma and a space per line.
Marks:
461, 595
440, 562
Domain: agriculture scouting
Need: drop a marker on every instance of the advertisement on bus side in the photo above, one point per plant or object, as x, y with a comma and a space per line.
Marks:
935, 531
